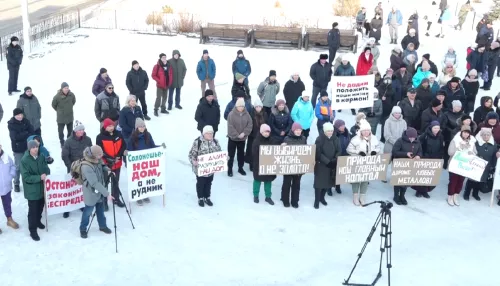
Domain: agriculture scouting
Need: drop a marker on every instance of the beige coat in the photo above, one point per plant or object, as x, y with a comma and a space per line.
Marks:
237, 123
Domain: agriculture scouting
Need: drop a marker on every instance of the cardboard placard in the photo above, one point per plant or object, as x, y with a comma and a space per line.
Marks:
286, 159
467, 165
212, 163
352, 91
355, 169
62, 194
412, 172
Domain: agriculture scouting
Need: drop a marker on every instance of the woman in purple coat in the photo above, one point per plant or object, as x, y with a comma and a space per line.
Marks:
101, 81
7, 174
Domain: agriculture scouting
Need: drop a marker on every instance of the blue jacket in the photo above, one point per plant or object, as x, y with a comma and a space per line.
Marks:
399, 17
127, 119
142, 143
419, 76
435, 88
303, 113
201, 69
242, 66
232, 103
324, 112
42, 150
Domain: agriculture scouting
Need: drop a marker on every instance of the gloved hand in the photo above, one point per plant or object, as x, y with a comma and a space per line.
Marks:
331, 164
373, 153
50, 160
163, 145
362, 154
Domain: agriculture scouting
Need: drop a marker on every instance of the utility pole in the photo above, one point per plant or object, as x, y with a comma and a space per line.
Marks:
26, 26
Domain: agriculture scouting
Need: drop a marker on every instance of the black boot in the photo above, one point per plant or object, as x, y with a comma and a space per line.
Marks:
147, 117
230, 172
34, 235
322, 198
402, 197
201, 202
208, 202
156, 113
467, 192
17, 189
396, 198
338, 190
242, 172
329, 192
256, 200
164, 111
83, 234
66, 215
475, 194
317, 195
269, 201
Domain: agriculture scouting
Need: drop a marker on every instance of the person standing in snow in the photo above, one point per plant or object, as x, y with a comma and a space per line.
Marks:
453, 91
303, 114
72, 149
239, 127
203, 145
406, 147
63, 103
321, 74
450, 57
345, 69
434, 113
163, 74
293, 90
268, 90
264, 138
477, 59
208, 112
413, 24
280, 121
363, 144
393, 129
259, 117
14, 55
376, 28
396, 59
492, 122
31, 108
137, 83
179, 73
394, 20
344, 138
293, 181
445, 19
411, 37
41, 148
327, 152
129, 113
333, 42
7, 174
486, 34
485, 107
372, 44
107, 105
491, 63
206, 72
361, 19
19, 131
240, 85
101, 81
365, 62
94, 173
412, 109
242, 66
324, 112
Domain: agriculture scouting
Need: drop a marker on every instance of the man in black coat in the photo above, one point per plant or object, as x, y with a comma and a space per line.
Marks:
432, 113
333, 42
19, 130
137, 84
411, 109
208, 112
14, 61
321, 74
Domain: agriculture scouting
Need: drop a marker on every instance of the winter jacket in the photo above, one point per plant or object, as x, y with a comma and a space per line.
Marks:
267, 92
387, 91
376, 54
203, 72
324, 112
292, 139
14, 55
31, 170
327, 150
258, 119
471, 88
144, 141
242, 66
345, 70
41, 148
364, 64
399, 17
445, 77
237, 123
163, 74
207, 114
487, 151
303, 113
411, 113
481, 112
240, 86
409, 39
128, 115
434, 88
433, 68
373, 114
107, 106
95, 177
280, 121
202, 146
424, 95
402, 83
321, 74
137, 82
406, 53
485, 36
362, 145
31, 109
232, 103
432, 145
376, 28
450, 123
261, 140
495, 130
292, 91
428, 115
403, 146
469, 51
393, 130
451, 95
396, 60
450, 57
100, 84
473, 127
360, 17
179, 72
334, 38
7, 173
113, 145
19, 131
419, 76
63, 105
458, 144
344, 139
477, 61
73, 147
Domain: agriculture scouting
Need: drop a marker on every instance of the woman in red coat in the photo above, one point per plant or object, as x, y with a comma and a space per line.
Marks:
365, 62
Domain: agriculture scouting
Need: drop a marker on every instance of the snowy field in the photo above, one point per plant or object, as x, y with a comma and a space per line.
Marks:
236, 242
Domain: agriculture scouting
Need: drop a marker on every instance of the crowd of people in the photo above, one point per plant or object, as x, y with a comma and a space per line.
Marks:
423, 111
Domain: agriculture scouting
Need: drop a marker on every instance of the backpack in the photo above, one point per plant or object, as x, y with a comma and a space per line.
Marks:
76, 170
199, 143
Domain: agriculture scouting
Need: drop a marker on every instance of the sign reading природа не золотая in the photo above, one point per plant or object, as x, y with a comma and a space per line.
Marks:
286, 159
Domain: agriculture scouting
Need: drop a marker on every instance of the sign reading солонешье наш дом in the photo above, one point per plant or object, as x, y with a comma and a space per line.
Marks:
413, 172
146, 173
286, 159
355, 169
352, 91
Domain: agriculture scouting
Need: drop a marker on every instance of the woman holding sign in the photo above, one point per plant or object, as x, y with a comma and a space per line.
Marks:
293, 181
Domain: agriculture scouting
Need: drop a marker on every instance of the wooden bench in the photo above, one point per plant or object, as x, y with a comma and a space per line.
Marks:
226, 31
348, 38
280, 34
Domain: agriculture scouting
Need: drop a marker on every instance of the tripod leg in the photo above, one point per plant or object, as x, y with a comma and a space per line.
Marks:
388, 247
126, 209
91, 220
116, 236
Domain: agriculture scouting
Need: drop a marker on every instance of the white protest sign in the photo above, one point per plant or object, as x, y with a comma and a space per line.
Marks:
466, 165
146, 173
62, 194
352, 91
212, 163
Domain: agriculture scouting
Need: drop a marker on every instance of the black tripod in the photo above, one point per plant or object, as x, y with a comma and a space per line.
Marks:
113, 184
384, 218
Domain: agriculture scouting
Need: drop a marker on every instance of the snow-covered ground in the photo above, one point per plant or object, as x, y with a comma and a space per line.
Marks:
236, 242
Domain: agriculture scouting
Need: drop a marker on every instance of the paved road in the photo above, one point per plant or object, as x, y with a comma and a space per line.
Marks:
10, 11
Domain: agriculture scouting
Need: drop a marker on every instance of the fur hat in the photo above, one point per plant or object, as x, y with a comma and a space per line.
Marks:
465, 117
17, 111
264, 127
239, 76
327, 127
338, 123
296, 126
32, 144
257, 102
323, 57
207, 129
280, 102
107, 122
78, 126
364, 125
465, 128
209, 92
435, 102
240, 102
139, 123
456, 103
360, 116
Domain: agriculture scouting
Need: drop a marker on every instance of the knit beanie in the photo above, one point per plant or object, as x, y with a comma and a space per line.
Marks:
323, 57
134, 62
107, 122
139, 123
240, 102
426, 56
456, 103
296, 126
239, 52
323, 93
411, 132
209, 92
17, 111
27, 88
96, 151
425, 80
455, 79
272, 72
338, 123
32, 144
327, 127
364, 125
435, 123
257, 102
239, 76
396, 109
264, 127
208, 129
103, 70
78, 126
492, 115
205, 52
280, 102
64, 84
